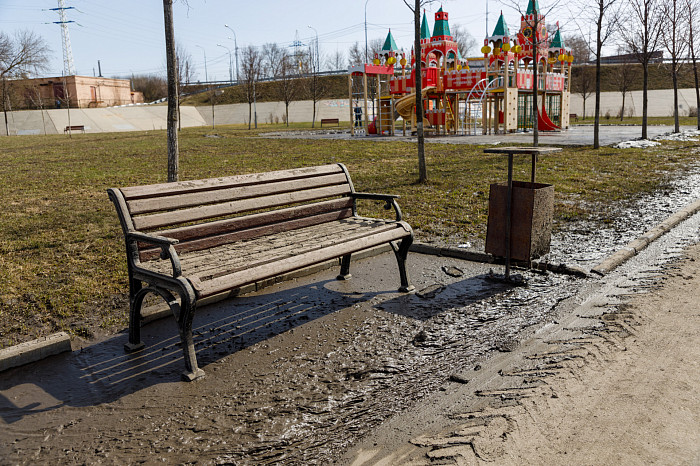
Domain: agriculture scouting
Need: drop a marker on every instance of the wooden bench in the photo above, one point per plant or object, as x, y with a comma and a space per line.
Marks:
72, 128
573, 117
206, 237
330, 121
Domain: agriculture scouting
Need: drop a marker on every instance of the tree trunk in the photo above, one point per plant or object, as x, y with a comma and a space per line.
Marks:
622, 110
422, 169
645, 98
286, 113
4, 105
599, 46
697, 88
535, 87
674, 76
250, 113
173, 93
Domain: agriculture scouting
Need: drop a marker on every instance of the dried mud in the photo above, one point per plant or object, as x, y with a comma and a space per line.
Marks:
300, 371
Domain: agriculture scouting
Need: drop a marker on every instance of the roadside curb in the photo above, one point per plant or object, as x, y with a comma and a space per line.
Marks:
636, 246
475, 256
32, 351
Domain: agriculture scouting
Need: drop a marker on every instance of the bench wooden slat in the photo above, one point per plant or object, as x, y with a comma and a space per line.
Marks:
294, 262
250, 233
181, 201
194, 214
249, 252
164, 189
218, 227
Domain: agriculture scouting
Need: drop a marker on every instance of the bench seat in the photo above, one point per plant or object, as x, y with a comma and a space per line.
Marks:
215, 270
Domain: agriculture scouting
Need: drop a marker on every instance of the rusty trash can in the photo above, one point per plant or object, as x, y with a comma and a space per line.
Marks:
532, 211
520, 213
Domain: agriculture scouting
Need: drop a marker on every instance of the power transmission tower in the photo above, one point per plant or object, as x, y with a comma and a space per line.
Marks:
297, 44
68, 66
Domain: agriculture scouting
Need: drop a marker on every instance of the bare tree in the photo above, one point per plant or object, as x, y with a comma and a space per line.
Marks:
674, 36
375, 46
186, 70
252, 69
336, 61
585, 84
415, 8
272, 59
692, 7
642, 34
579, 48
26, 53
173, 94
604, 16
356, 56
465, 41
153, 87
185, 75
287, 84
624, 75
315, 86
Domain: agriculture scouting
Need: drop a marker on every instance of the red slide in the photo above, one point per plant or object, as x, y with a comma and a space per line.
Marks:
544, 123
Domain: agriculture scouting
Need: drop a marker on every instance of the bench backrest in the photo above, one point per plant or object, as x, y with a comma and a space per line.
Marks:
207, 213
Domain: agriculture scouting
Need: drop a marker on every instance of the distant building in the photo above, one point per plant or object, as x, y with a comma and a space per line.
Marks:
656, 57
79, 91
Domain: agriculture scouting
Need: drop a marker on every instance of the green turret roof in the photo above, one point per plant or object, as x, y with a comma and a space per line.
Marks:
533, 7
442, 27
501, 28
389, 43
557, 41
424, 28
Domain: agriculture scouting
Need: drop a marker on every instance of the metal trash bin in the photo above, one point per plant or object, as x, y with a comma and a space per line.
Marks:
532, 211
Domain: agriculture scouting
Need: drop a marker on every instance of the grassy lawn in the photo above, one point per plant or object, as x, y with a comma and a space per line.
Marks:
62, 264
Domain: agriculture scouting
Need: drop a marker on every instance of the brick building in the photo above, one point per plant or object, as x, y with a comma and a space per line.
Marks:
79, 91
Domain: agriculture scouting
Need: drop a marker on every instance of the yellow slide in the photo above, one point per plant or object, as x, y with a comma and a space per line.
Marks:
404, 106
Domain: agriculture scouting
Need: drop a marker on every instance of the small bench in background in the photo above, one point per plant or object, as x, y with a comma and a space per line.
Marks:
573, 117
72, 128
330, 121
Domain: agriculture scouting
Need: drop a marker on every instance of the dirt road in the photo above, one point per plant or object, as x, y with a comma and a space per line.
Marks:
639, 403
626, 392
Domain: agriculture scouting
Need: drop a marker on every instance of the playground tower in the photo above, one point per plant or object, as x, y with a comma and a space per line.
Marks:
488, 94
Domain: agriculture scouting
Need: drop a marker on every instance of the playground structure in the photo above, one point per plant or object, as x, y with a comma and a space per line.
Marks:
491, 94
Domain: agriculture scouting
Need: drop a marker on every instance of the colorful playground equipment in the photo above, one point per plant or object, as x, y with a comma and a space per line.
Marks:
490, 94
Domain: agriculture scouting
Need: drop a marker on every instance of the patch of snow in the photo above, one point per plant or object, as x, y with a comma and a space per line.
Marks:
636, 144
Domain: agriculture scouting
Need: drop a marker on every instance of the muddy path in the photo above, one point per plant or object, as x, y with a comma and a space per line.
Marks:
299, 372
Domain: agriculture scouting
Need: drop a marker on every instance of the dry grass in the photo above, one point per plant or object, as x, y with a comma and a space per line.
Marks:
61, 251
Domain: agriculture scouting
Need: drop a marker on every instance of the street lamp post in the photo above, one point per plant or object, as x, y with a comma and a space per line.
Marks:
366, 1
318, 62
235, 45
230, 63
206, 76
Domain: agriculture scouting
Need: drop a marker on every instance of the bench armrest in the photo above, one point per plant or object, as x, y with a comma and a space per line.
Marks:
389, 199
167, 249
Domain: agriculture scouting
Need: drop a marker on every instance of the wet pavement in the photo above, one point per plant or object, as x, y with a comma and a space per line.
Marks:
578, 135
301, 371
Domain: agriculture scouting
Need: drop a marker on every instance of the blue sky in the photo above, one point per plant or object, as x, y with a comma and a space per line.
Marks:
127, 36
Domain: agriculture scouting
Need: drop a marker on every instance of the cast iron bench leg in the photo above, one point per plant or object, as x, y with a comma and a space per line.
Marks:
345, 268
136, 295
401, 253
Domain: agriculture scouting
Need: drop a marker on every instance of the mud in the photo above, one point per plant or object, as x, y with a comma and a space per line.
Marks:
297, 373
